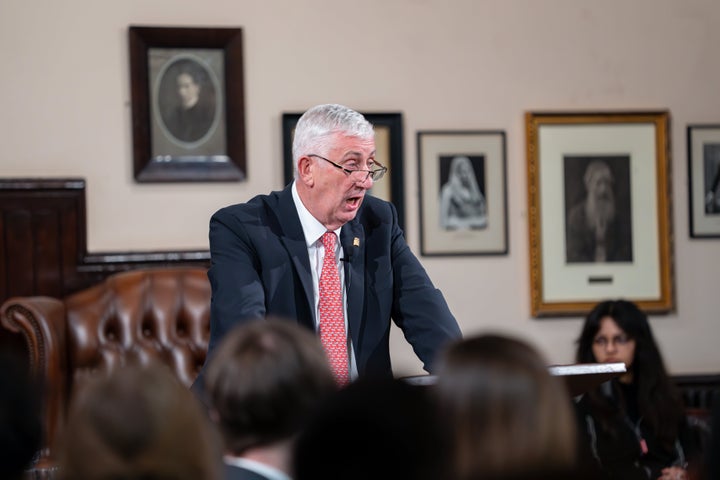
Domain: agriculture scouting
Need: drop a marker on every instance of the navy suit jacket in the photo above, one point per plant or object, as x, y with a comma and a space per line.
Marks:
260, 266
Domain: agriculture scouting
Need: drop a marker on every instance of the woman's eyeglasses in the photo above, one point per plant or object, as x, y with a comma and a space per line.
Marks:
616, 340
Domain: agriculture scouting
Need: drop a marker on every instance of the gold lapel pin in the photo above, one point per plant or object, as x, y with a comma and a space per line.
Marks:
356, 242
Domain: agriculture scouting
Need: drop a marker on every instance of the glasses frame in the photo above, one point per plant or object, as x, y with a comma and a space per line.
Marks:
378, 172
617, 340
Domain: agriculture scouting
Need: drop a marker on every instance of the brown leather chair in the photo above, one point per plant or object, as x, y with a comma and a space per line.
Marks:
132, 316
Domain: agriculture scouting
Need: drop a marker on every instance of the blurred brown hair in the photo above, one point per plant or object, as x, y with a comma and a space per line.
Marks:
138, 422
265, 380
505, 414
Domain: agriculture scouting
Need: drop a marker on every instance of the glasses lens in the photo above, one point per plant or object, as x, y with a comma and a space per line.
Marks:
362, 175
358, 175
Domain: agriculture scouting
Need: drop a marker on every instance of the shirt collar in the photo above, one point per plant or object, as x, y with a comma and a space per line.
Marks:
312, 228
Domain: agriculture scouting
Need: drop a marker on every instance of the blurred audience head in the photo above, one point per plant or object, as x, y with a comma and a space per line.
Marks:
372, 429
711, 465
20, 428
138, 422
265, 380
505, 415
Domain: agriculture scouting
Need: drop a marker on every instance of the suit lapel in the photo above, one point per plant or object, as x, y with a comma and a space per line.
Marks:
294, 241
352, 238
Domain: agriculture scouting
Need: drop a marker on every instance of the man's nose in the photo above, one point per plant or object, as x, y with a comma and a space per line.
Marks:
367, 183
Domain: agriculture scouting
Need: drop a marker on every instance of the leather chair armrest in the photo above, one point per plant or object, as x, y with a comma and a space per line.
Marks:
41, 323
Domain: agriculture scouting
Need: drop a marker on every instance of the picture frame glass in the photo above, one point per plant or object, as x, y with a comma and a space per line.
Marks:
463, 193
704, 180
573, 270
187, 114
598, 193
382, 189
188, 119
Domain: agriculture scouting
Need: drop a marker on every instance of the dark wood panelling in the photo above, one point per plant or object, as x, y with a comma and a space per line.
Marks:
47, 238
43, 230
43, 241
19, 255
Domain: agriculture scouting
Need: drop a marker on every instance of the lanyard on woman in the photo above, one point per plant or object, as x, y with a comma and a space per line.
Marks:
679, 462
638, 434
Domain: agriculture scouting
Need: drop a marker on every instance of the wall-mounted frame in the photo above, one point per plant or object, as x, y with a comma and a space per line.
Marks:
463, 192
188, 119
389, 152
598, 210
703, 144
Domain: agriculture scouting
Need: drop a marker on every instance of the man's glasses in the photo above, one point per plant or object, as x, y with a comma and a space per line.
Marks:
357, 175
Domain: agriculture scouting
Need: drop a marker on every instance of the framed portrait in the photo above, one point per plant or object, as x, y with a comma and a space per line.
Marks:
598, 213
463, 192
703, 143
188, 120
389, 153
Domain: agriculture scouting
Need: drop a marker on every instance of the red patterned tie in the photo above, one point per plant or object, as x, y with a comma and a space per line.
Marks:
332, 322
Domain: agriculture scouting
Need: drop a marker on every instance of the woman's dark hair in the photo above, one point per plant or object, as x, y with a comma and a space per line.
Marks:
658, 401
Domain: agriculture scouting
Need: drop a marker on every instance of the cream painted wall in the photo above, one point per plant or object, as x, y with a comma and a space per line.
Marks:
459, 64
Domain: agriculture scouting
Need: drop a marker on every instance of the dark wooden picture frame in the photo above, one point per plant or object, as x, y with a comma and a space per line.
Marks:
595, 175
188, 115
463, 192
389, 147
703, 147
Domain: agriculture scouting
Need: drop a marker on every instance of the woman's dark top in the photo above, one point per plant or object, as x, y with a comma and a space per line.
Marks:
623, 443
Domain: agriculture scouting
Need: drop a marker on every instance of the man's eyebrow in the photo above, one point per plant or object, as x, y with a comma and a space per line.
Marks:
353, 154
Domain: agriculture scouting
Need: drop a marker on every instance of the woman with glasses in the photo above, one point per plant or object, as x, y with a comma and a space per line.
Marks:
636, 425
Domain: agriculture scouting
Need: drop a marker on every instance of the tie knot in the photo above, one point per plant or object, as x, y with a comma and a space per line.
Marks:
328, 240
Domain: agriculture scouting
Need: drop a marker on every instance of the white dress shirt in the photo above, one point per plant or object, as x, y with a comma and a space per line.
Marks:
314, 231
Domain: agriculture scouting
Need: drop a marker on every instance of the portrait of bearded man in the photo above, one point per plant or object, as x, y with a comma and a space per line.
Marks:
598, 228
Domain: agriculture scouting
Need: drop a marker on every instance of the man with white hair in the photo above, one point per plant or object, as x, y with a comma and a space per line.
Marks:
324, 254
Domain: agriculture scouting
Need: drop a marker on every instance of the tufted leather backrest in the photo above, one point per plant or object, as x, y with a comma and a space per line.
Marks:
137, 316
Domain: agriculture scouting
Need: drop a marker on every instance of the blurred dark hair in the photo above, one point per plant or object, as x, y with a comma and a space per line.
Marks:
192, 68
20, 427
374, 428
266, 378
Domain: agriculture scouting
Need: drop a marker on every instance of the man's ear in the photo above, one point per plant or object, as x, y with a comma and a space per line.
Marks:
305, 170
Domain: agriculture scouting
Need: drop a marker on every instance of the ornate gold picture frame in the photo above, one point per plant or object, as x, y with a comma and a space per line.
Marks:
598, 210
